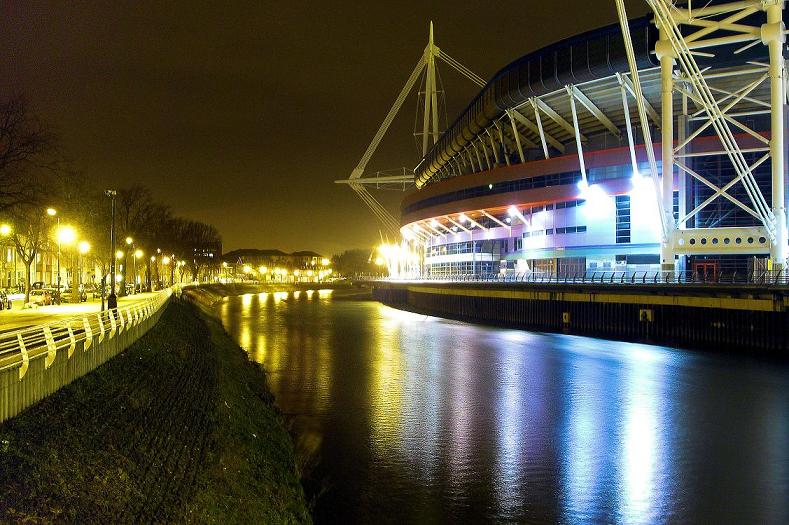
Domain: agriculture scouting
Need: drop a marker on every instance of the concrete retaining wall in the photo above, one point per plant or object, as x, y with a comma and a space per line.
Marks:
746, 320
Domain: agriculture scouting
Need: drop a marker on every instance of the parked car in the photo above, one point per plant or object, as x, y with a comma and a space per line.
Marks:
5, 302
54, 294
96, 291
41, 297
68, 295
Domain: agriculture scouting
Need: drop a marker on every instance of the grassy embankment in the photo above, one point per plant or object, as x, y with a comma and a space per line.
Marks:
179, 428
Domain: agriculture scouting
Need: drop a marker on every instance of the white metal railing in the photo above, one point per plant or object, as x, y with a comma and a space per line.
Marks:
19, 347
720, 277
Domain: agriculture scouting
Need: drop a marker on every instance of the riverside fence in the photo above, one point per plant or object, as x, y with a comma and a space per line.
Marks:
759, 278
38, 360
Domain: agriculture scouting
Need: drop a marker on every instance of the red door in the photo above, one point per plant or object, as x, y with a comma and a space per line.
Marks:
706, 271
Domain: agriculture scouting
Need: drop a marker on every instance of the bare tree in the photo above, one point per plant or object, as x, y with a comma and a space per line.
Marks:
29, 237
26, 149
194, 240
134, 206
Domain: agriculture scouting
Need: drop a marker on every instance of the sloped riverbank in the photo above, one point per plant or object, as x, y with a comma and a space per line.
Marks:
179, 428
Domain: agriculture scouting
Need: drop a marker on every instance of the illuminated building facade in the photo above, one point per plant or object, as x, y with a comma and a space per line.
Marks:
546, 171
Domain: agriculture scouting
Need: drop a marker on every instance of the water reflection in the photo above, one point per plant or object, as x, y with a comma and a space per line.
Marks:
428, 420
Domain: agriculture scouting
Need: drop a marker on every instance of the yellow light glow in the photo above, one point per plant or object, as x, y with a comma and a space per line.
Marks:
153, 258
84, 247
5, 230
51, 212
118, 278
310, 273
297, 272
165, 260
138, 254
379, 261
262, 269
224, 265
247, 268
66, 235
325, 261
129, 240
119, 254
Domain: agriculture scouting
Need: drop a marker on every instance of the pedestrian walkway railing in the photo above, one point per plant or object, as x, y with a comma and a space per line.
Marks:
758, 278
47, 341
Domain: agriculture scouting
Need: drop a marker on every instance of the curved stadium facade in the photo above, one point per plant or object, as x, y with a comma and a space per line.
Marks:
546, 170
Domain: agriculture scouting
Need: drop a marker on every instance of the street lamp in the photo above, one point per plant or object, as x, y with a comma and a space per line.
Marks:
112, 300
165, 262
83, 247
65, 235
5, 232
130, 251
52, 212
137, 254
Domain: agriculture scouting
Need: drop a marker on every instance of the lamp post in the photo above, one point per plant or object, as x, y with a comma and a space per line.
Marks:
137, 254
52, 212
112, 300
65, 235
160, 282
165, 262
150, 274
84, 248
5, 232
130, 250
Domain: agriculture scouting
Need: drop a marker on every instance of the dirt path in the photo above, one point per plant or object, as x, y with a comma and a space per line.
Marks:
149, 437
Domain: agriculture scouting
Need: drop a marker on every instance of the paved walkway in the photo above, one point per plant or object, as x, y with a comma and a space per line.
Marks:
19, 317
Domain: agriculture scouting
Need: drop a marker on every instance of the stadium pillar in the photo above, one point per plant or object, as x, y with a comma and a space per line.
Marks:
665, 54
773, 35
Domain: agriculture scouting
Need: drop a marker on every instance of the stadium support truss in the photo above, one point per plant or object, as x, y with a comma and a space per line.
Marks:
730, 27
425, 68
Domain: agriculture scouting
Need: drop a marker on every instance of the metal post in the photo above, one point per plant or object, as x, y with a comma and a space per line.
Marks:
682, 177
773, 36
665, 54
112, 300
57, 234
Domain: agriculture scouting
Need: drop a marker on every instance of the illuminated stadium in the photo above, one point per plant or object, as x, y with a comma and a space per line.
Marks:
546, 171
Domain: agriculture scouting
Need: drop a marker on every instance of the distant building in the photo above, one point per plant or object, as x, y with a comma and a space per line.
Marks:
306, 260
210, 252
254, 257
252, 260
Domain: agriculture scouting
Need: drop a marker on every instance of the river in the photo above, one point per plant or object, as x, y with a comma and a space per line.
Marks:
415, 419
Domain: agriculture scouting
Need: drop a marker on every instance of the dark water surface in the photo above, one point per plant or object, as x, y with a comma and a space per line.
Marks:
418, 419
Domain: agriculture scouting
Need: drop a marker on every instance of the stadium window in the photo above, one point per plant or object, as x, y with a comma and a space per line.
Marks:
622, 219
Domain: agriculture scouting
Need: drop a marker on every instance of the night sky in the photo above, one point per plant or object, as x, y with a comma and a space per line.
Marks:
242, 114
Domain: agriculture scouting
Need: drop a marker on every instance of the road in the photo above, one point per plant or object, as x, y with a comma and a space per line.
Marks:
18, 317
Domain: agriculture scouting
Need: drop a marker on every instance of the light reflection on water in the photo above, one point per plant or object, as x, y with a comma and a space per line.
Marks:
421, 420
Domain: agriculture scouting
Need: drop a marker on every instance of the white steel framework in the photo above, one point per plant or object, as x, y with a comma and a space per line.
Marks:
683, 32
430, 133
